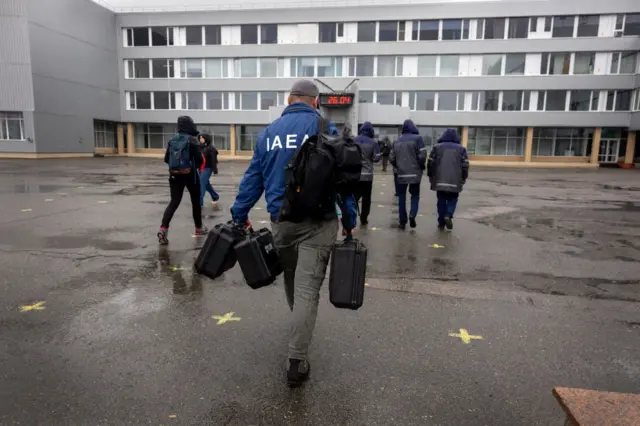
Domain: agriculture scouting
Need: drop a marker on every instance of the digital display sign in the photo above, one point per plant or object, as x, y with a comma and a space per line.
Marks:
336, 100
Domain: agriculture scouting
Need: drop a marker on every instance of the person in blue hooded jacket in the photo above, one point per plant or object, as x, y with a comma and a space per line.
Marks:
304, 248
370, 154
448, 170
408, 157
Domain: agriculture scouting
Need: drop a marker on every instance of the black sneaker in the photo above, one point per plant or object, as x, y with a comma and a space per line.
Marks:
412, 222
402, 226
448, 223
298, 372
202, 231
163, 236
364, 222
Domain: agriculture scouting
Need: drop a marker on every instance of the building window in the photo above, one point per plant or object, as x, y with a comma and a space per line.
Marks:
303, 67
425, 101
268, 100
563, 26
269, 67
330, 67
194, 100
563, 142
249, 34
452, 29
514, 63
11, 126
194, 35
533, 24
140, 36
247, 101
548, 22
220, 134
140, 100
269, 34
491, 64
556, 100
494, 28
623, 63
104, 134
215, 100
583, 63
425, 30
448, 101
162, 68
361, 66
191, 68
389, 66
489, 100
366, 31
385, 97
555, 63
388, 31
401, 30
365, 96
431, 135
512, 100
595, 100
518, 28
619, 100
138, 68
588, 25
164, 100
153, 136
449, 65
632, 24
245, 68
327, 32
427, 65
340, 29
580, 100
248, 137
497, 141
216, 68
212, 35
161, 36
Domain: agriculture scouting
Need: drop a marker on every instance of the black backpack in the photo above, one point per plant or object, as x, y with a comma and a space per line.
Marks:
321, 168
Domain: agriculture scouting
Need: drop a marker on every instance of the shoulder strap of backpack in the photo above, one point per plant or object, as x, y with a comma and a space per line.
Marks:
323, 125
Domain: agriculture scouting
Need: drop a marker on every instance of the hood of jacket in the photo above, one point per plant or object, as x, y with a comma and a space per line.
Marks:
409, 127
207, 138
449, 135
187, 126
366, 129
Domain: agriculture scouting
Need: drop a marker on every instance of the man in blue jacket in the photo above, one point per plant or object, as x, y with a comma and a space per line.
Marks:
448, 170
408, 157
304, 248
370, 154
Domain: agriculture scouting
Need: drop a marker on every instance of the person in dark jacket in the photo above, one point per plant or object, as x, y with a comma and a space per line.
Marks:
304, 248
408, 157
210, 154
370, 154
448, 170
178, 182
385, 150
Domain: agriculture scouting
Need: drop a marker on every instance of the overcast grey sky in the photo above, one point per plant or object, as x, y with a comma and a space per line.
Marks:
251, 4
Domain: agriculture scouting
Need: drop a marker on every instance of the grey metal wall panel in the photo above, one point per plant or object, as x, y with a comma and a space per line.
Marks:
13, 8
635, 124
474, 47
393, 83
26, 146
16, 89
371, 13
75, 72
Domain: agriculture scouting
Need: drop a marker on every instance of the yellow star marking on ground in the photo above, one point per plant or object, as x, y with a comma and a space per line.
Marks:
48, 200
465, 336
366, 284
81, 187
380, 205
102, 202
176, 268
26, 210
374, 229
382, 193
35, 307
173, 416
436, 246
226, 317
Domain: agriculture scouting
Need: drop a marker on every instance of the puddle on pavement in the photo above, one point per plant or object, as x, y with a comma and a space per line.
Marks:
178, 266
75, 242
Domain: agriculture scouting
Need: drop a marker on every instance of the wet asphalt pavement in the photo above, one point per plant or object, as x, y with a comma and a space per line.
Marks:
543, 265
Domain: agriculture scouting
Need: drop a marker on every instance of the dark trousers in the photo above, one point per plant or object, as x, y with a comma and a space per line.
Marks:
395, 183
414, 190
385, 161
447, 202
364, 194
177, 184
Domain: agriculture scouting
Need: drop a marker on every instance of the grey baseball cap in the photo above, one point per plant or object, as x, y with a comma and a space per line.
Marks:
304, 88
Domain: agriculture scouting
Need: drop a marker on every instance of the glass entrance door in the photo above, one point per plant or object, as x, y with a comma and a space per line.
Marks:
609, 150
392, 133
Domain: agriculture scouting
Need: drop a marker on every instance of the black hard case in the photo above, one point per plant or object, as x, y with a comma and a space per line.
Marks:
348, 273
217, 255
258, 258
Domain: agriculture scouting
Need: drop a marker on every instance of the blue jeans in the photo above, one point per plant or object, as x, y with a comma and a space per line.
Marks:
205, 185
447, 202
414, 190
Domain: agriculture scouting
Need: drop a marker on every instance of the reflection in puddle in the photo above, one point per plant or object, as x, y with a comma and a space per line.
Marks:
173, 265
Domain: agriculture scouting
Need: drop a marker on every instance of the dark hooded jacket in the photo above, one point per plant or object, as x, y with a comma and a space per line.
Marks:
448, 166
370, 151
186, 126
409, 155
210, 153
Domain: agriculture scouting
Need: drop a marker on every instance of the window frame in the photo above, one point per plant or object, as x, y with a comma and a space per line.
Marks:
5, 118
247, 27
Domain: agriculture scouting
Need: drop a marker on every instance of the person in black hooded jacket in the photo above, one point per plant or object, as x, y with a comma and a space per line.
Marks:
185, 178
210, 154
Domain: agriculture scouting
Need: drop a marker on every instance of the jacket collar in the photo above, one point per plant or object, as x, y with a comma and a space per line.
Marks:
300, 107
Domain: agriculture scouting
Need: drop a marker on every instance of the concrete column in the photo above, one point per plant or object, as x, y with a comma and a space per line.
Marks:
595, 146
528, 145
232, 146
131, 147
465, 136
631, 148
120, 139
